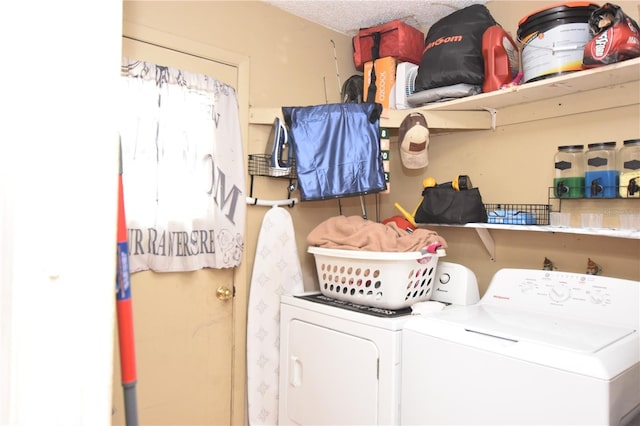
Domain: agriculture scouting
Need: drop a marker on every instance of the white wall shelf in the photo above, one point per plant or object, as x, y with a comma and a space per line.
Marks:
602, 232
449, 120
483, 232
614, 85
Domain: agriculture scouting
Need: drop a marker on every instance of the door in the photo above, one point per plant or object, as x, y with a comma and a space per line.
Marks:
183, 328
331, 377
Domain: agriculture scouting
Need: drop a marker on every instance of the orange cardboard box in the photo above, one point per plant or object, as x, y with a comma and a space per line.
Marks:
385, 81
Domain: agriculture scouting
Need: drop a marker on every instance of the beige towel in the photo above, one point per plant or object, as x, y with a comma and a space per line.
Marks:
356, 233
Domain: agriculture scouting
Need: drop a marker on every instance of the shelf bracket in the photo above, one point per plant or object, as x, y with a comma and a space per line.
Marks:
487, 240
494, 113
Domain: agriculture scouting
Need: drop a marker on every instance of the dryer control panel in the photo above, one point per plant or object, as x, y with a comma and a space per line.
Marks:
455, 284
591, 297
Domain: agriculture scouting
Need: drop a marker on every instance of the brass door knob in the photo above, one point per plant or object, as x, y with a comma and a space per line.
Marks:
224, 293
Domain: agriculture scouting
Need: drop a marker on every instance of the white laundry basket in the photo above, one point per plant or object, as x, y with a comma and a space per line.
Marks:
391, 280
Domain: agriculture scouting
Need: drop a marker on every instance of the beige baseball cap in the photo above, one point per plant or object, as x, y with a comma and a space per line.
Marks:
413, 139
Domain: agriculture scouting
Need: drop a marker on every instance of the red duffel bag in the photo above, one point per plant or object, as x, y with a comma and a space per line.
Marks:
397, 39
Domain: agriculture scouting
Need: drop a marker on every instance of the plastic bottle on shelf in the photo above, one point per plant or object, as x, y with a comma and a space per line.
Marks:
569, 172
601, 177
629, 168
500, 54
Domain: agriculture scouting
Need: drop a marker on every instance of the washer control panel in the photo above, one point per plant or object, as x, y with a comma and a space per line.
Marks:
577, 295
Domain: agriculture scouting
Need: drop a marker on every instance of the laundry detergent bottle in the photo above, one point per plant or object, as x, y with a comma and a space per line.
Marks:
601, 177
501, 58
569, 172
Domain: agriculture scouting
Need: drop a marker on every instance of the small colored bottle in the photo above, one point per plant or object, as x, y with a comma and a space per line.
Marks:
629, 168
601, 177
569, 172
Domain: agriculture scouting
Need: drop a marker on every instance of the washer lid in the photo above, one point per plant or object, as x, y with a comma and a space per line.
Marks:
533, 328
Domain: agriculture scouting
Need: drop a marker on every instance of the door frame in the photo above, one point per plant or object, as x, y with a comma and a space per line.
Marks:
240, 280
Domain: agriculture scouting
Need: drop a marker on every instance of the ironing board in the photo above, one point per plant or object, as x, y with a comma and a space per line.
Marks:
276, 272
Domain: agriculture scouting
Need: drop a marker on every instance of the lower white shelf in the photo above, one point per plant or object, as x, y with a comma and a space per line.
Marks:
483, 232
602, 232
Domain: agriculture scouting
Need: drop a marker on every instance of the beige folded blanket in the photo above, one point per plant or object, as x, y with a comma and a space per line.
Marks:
356, 233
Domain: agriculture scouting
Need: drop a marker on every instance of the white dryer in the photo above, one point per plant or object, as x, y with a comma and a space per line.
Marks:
338, 367
340, 362
541, 347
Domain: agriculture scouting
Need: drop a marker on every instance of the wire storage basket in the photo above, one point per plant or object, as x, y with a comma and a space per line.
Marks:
390, 280
260, 165
518, 214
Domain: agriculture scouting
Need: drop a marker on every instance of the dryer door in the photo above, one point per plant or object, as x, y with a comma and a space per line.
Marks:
331, 377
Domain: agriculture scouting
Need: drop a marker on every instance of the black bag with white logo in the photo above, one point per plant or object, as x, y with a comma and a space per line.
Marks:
453, 49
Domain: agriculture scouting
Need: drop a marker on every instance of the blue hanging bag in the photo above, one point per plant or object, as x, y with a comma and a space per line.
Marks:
336, 149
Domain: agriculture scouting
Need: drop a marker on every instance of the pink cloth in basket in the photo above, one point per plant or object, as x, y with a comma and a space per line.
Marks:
356, 233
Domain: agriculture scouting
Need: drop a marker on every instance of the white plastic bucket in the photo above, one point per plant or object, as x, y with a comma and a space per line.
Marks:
553, 39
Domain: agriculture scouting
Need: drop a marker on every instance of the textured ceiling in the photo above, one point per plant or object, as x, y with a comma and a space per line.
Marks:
348, 16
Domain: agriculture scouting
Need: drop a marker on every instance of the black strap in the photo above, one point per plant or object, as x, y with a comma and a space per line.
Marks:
375, 114
375, 54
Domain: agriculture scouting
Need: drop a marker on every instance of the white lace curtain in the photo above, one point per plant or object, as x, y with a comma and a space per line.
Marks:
183, 174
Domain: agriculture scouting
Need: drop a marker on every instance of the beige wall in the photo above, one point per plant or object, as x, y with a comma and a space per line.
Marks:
292, 63
514, 164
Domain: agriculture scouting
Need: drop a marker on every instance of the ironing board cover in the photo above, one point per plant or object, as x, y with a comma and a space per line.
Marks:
276, 272
337, 149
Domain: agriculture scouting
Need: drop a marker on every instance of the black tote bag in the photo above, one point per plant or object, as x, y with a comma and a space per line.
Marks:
443, 204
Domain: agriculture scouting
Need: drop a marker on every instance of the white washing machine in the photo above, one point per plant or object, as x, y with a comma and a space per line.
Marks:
340, 363
539, 348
